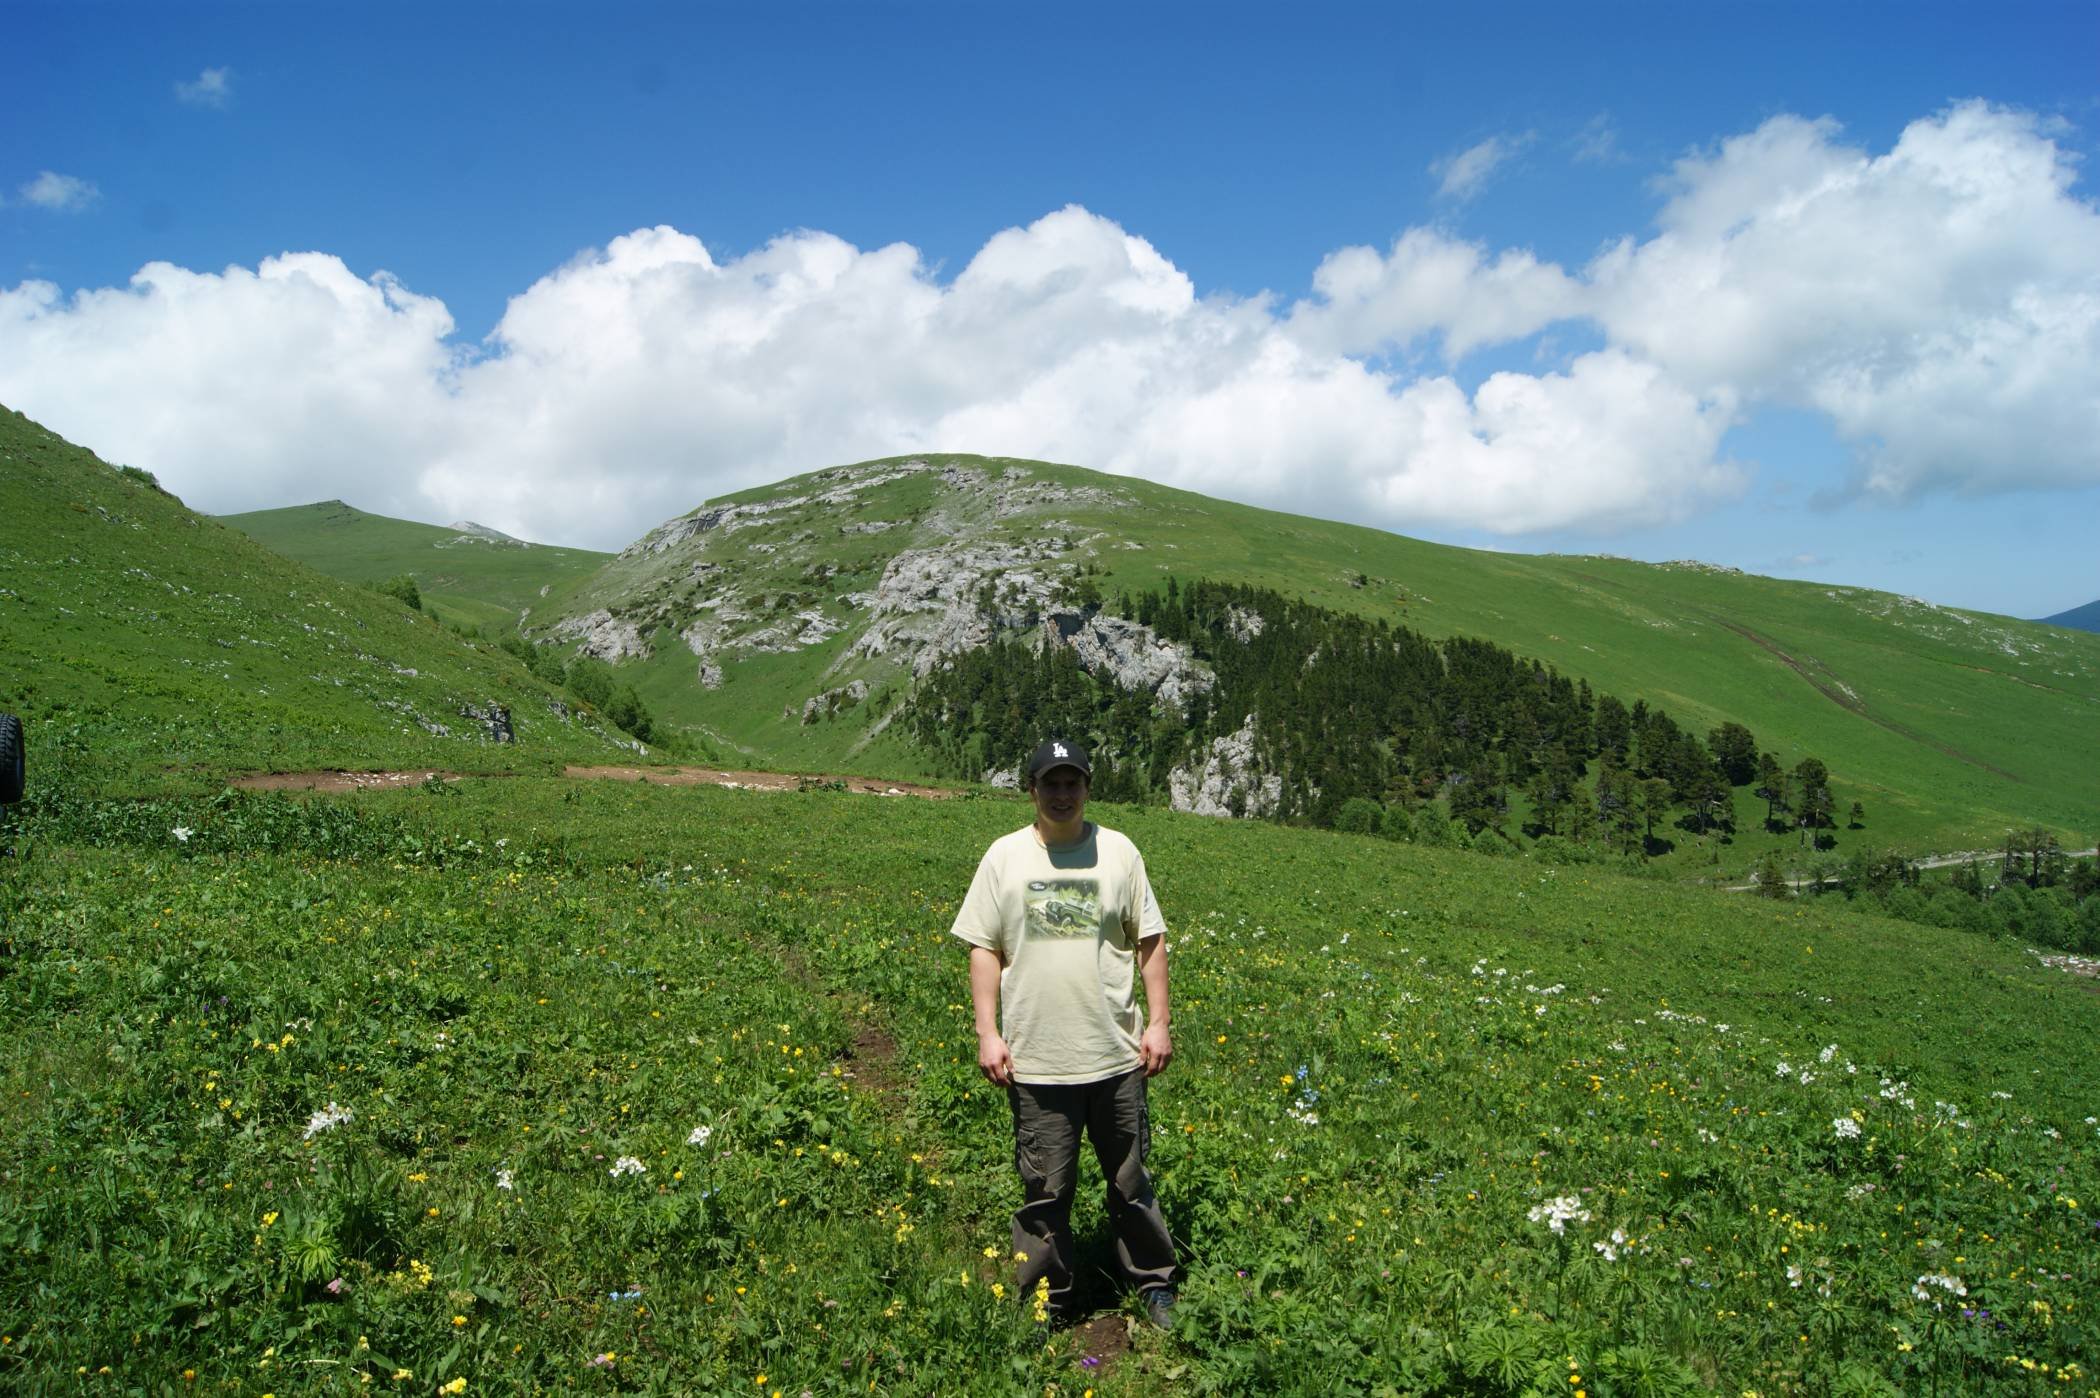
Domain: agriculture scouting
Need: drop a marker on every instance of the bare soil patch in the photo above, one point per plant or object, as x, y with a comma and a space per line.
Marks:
758, 781
338, 780
1105, 1338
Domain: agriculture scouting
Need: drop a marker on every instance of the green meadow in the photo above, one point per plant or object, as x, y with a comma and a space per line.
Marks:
525, 1083
517, 1083
1950, 727
174, 649
465, 580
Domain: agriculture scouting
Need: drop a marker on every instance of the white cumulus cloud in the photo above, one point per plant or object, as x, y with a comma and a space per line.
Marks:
59, 193
213, 87
1937, 303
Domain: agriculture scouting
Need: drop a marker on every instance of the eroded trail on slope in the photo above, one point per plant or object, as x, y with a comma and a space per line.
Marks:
338, 780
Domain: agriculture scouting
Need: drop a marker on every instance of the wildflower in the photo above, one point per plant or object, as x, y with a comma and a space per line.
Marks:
1847, 1129
456, 1386
1945, 1281
505, 1179
1784, 1070
627, 1165
182, 834
1794, 1277
337, 1287
1610, 1250
604, 1361
1557, 1213
700, 1135
1829, 1052
327, 1118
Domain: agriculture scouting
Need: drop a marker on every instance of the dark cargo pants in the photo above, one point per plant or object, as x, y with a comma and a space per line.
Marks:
1048, 1119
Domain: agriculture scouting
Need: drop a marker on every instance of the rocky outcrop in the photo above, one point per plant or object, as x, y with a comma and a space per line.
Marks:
1229, 781
603, 635
1131, 654
730, 518
1244, 623
1004, 778
710, 675
937, 602
494, 719
833, 700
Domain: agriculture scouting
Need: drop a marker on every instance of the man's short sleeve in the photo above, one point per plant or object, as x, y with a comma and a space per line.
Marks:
978, 920
1142, 919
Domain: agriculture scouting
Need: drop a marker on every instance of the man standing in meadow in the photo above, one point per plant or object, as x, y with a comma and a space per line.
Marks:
1061, 923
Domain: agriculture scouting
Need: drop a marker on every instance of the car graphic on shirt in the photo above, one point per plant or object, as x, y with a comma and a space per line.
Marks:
1062, 908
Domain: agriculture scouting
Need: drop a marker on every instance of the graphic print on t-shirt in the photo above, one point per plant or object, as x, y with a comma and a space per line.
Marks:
1063, 908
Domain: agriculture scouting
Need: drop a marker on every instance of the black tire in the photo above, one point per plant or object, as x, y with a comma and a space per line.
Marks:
12, 774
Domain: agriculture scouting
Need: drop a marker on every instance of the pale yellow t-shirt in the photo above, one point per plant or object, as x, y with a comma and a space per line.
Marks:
1066, 924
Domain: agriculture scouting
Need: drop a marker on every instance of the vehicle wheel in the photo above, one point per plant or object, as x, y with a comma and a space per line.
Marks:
11, 769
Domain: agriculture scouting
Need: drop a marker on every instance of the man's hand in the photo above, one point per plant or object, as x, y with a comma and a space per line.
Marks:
995, 1059
1155, 1049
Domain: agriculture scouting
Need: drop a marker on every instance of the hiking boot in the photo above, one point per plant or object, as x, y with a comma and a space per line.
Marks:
1159, 1307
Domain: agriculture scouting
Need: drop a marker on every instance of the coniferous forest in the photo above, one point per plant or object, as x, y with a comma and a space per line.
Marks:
1370, 727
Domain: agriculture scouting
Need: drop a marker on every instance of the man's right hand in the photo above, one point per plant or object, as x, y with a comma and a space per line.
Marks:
995, 1059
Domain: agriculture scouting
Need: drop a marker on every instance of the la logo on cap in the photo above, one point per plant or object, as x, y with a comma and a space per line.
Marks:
1058, 749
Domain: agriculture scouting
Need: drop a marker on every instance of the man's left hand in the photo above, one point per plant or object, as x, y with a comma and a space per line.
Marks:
1155, 1049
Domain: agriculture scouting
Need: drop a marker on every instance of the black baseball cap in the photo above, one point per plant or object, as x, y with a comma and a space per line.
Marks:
1058, 752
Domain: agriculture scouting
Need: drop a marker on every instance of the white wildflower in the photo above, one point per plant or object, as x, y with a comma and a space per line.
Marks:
182, 834
329, 1116
627, 1165
1784, 1070
505, 1179
1945, 1281
1829, 1052
701, 1135
1794, 1277
1846, 1127
1557, 1213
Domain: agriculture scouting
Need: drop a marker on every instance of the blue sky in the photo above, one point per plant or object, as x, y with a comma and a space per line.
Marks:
1107, 231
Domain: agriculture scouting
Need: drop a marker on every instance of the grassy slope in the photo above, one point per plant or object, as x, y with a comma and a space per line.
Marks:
698, 955
163, 646
463, 580
1949, 725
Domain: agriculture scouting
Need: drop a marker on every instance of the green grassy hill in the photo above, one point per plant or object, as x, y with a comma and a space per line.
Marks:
154, 646
1949, 726
467, 578
662, 1090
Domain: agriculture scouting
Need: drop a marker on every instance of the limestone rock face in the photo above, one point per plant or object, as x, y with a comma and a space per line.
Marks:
1132, 654
844, 697
494, 719
1244, 623
603, 635
1229, 780
1005, 778
930, 603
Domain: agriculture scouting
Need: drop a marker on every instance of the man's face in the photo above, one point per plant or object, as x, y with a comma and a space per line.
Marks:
1060, 796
